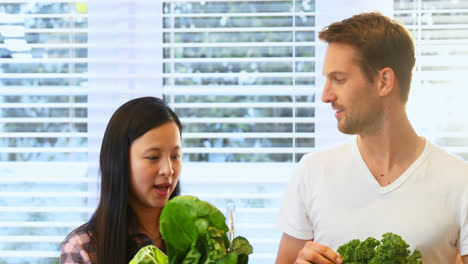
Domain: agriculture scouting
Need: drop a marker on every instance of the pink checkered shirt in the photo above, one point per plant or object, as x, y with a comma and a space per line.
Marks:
79, 247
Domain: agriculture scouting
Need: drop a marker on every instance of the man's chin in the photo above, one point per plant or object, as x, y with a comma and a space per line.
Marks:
348, 133
347, 130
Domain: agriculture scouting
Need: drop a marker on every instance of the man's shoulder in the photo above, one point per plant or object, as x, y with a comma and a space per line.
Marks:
448, 164
343, 150
441, 156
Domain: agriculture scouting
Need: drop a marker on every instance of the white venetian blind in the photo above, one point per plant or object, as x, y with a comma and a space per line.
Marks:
240, 74
43, 127
437, 104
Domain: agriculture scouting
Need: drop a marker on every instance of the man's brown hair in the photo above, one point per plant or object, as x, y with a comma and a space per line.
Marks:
380, 41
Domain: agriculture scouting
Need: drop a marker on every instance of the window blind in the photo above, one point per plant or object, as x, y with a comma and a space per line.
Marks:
43, 127
437, 104
242, 76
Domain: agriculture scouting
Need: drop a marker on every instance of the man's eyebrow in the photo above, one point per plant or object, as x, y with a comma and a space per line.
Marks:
334, 73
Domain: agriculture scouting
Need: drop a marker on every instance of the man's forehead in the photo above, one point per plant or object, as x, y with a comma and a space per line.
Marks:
339, 58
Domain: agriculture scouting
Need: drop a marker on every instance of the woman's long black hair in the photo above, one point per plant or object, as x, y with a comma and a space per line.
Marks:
109, 224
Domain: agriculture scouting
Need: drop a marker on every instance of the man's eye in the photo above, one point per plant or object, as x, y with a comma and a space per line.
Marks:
340, 80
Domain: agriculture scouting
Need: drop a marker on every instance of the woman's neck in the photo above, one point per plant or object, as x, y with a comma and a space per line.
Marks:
147, 220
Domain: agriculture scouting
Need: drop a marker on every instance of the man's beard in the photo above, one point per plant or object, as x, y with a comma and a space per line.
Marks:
362, 124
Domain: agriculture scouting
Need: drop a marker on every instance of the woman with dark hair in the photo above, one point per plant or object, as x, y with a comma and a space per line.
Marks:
140, 163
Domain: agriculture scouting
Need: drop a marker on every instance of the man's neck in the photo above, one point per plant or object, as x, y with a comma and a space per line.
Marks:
389, 151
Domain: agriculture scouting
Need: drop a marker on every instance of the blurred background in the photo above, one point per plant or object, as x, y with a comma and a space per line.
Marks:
244, 76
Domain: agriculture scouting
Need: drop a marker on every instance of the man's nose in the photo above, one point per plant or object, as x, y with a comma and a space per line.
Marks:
327, 95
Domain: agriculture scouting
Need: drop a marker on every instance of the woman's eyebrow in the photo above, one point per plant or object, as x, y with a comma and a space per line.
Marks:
159, 149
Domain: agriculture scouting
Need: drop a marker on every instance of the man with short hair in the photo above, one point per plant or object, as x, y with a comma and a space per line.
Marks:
387, 179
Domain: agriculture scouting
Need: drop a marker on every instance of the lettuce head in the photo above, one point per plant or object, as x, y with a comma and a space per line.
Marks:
195, 232
149, 255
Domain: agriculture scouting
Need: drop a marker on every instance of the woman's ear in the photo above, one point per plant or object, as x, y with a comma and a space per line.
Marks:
387, 81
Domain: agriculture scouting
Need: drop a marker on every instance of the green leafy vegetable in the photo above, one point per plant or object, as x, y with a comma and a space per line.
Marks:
195, 232
242, 248
391, 250
149, 255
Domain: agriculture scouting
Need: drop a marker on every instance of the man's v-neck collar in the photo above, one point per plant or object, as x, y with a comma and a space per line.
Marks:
400, 180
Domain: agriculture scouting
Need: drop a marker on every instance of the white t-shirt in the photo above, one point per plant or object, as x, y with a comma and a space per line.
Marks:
333, 198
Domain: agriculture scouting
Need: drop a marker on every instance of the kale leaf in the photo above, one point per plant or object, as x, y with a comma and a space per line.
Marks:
392, 249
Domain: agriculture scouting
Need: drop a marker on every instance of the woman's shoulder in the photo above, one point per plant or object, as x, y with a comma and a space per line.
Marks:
80, 233
78, 247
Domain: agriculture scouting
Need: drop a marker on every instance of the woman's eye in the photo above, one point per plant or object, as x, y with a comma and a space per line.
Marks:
339, 80
152, 157
176, 157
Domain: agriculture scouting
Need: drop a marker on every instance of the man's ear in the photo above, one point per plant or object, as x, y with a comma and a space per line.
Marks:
387, 81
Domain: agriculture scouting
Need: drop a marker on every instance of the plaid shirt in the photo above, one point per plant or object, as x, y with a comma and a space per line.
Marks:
79, 247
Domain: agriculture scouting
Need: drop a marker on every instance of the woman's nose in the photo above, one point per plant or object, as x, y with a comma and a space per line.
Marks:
166, 167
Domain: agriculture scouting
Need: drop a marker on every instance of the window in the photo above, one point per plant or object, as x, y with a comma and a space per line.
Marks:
243, 76
437, 104
43, 127
240, 74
